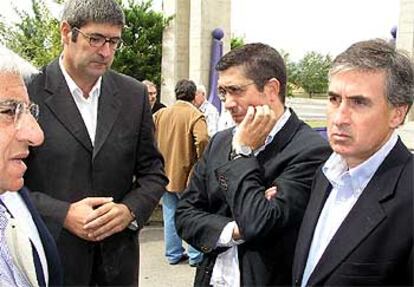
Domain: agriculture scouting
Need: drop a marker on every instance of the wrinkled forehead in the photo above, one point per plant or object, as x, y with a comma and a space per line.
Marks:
12, 87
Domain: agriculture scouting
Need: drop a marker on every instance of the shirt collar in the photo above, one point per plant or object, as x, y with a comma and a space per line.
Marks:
276, 128
336, 169
74, 88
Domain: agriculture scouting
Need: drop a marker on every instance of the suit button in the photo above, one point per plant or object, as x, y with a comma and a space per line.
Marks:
205, 249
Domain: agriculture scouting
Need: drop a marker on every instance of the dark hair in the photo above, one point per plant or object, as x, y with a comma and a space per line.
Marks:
378, 55
78, 13
185, 90
260, 63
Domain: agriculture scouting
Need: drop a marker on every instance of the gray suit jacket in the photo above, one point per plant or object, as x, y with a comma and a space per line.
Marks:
374, 244
124, 164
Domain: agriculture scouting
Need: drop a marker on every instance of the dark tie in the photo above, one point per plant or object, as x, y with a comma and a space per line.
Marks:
38, 265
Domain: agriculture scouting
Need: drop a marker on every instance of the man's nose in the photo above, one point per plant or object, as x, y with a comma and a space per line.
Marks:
29, 130
342, 114
106, 50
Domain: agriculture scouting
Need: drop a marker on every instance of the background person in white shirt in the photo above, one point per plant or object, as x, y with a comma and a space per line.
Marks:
208, 109
28, 254
358, 226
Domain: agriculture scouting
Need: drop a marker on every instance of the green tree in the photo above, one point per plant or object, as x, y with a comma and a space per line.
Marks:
236, 42
291, 70
36, 37
142, 35
311, 73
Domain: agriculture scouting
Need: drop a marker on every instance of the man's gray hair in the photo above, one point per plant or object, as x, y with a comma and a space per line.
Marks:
202, 88
10, 62
149, 83
78, 13
378, 55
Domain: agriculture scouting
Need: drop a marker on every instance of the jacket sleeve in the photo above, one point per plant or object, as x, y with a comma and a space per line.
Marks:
256, 216
149, 172
195, 223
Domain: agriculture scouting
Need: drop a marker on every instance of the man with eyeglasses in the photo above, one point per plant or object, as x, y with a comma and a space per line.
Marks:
247, 196
28, 253
99, 175
152, 96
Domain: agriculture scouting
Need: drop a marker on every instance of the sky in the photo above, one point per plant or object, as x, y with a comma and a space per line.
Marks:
299, 26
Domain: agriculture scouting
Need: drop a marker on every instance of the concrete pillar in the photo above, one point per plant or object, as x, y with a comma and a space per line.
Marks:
187, 41
405, 33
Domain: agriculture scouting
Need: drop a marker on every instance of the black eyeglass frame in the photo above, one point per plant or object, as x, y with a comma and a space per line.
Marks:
97, 40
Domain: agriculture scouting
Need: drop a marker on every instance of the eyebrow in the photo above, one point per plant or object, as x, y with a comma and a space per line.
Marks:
103, 36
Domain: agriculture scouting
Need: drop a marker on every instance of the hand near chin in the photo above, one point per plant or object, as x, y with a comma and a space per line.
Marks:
255, 127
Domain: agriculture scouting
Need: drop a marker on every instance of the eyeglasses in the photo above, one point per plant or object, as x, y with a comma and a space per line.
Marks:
235, 90
14, 110
97, 40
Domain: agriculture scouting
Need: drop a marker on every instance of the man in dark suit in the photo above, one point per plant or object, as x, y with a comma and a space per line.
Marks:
248, 239
28, 253
358, 226
99, 175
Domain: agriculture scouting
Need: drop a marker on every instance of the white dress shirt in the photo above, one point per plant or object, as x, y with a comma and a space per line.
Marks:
212, 116
226, 271
87, 106
347, 186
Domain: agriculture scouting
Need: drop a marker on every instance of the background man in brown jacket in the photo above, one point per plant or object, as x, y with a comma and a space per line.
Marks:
181, 132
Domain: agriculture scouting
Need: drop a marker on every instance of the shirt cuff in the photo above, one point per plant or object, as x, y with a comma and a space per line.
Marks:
226, 236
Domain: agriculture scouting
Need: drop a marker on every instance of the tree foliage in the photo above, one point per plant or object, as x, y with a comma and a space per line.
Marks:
311, 73
236, 42
37, 38
142, 35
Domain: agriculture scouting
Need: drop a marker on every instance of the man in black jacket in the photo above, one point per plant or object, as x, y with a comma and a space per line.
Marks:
248, 237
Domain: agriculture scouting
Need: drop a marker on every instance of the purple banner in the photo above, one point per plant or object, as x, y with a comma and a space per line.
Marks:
216, 53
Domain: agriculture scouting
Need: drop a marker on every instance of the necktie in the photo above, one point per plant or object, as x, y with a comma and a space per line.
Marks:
9, 273
38, 266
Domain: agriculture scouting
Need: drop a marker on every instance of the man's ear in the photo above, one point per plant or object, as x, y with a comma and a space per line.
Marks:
65, 32
272, 89
398, 115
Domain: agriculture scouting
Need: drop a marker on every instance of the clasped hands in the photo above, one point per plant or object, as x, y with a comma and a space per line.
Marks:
95, 218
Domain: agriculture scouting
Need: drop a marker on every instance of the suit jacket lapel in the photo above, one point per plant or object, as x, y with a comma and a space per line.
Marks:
61, 104
108, 111
49, 245
366, 214
320, 193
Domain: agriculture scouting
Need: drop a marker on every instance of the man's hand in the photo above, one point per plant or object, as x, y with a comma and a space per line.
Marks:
255, 127
270, 193
236, 233
79, 212
106, 220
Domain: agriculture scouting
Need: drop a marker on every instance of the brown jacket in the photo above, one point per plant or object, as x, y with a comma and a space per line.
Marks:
181, 133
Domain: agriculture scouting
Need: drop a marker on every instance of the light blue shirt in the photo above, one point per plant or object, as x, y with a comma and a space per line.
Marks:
347, 186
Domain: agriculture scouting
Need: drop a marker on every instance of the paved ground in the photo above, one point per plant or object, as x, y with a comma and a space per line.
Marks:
155, 270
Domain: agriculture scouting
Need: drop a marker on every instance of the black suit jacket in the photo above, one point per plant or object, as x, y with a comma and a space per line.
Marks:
124, 163
374, 244
49, 245
223, 190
